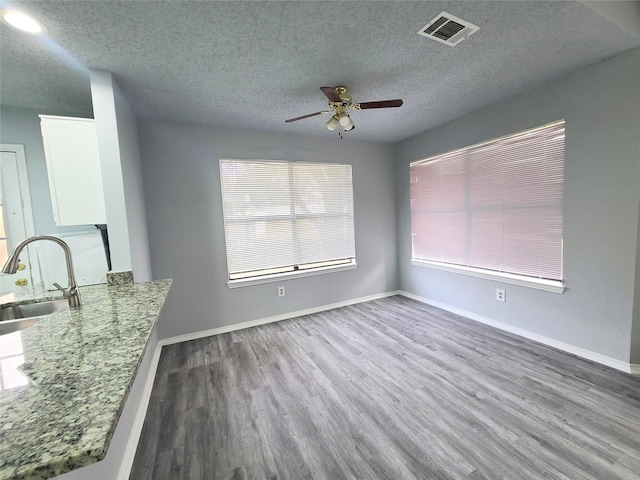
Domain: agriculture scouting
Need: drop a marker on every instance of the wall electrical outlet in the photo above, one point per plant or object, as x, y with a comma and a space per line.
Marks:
281, 291
501, 295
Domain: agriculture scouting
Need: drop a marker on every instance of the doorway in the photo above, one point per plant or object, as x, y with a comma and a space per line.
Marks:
16, 216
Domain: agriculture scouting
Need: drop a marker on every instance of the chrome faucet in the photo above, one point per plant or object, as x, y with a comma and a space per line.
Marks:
71, 293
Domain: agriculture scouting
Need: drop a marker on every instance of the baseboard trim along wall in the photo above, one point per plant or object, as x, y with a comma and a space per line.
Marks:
275, 318
136, 428
565, 347
141, 412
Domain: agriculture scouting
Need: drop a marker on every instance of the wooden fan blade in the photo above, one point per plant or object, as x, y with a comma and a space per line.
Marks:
305, 116
332, 94
381, 104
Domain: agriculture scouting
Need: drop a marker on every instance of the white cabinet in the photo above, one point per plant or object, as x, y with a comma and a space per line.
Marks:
73, 165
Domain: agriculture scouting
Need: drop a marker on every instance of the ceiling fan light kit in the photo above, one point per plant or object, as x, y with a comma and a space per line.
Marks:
345, 119
333, 123
349, 124
339, 102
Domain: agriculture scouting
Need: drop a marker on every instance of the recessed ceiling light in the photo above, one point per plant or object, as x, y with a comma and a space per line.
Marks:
22, 21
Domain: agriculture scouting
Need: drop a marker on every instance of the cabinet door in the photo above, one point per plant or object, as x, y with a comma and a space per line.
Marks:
73, 165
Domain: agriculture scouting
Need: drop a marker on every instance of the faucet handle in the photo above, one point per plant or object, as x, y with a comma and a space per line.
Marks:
72, 294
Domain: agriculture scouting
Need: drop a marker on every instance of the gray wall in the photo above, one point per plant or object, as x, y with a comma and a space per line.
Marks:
635, 330
601, 105
22, 126
184, 215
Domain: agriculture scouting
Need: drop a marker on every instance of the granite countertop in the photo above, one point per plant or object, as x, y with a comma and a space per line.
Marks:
60, 406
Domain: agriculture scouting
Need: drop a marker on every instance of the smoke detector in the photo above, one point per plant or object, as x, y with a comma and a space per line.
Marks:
448, 29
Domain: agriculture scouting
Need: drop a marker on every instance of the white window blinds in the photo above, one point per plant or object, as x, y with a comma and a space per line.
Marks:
286, 216
495, 206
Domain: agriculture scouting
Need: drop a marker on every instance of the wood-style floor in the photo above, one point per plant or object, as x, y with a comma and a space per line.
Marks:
388, 389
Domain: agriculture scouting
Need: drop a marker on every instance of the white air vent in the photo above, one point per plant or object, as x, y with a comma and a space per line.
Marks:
449, 29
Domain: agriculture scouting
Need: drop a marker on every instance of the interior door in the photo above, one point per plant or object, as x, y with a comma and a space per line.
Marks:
16, 217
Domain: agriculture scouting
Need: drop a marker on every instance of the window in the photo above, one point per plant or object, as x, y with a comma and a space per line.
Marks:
283, 218
495, 207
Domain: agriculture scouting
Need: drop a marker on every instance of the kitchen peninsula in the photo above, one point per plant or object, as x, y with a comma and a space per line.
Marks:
79, 366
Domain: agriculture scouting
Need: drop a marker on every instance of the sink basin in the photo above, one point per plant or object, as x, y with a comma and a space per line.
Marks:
11, 326
19, 317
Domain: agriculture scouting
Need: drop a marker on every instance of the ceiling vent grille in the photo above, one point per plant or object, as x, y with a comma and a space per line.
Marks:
448, 29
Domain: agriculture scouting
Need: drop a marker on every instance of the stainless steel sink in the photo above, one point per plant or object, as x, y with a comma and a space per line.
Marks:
19, 317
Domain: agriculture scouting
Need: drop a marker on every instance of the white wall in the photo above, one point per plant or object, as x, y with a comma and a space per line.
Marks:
121, 176
133, 188
184, 211
102, 96
601, 105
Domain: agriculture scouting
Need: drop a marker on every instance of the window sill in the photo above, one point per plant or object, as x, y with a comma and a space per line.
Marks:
246, 282
540, 284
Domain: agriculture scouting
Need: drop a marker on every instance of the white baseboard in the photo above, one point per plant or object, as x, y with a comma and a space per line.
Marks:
275, 318
566, 347
136, 429
138, 421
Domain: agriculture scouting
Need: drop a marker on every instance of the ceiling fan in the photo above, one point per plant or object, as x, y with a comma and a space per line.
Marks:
339, 104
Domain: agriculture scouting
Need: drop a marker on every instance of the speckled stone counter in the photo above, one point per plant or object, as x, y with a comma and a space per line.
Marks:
79, 366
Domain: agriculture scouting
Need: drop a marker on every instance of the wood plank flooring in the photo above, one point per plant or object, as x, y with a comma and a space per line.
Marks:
388, 389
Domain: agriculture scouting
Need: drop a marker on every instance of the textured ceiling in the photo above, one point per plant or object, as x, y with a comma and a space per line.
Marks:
255, 64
